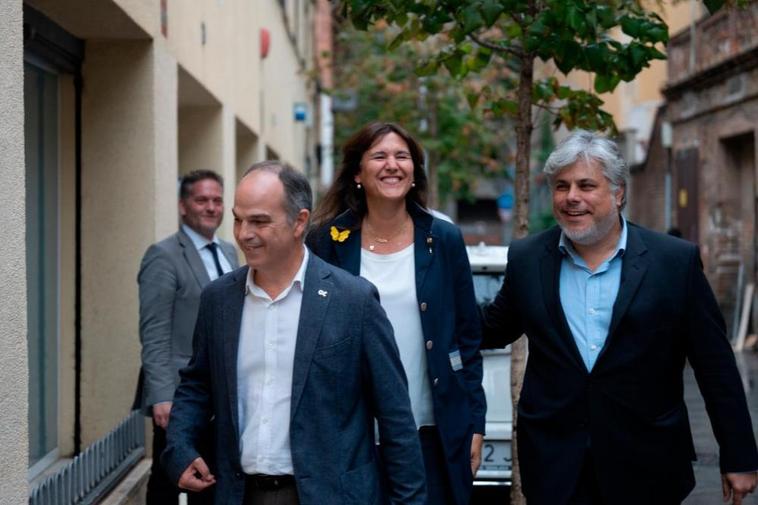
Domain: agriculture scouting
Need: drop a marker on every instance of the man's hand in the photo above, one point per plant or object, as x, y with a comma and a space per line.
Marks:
161, 412
738, 485
197, 476
476, 452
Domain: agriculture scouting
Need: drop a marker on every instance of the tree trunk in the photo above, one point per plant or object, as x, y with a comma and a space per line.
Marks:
521, 229
432, 162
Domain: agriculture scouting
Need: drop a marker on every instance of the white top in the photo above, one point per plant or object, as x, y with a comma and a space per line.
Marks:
394, 275
265, 359
206, 255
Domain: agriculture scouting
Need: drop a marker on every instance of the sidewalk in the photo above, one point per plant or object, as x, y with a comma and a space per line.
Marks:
708, 488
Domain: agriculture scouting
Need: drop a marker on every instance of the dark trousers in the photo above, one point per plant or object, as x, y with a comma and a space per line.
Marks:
437, 486
587, 491
286, 495
160, 490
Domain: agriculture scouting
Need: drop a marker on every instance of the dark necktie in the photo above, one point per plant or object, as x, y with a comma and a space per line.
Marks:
214, 250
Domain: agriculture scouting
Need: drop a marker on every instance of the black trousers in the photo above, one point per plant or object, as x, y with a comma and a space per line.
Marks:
160, 490
437, 486
265, 495
587, 491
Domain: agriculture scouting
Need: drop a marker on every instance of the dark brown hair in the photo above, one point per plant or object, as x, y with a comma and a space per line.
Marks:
185, 187
297, 189
345, 195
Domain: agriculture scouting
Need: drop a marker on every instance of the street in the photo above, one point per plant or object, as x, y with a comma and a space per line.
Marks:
708, 488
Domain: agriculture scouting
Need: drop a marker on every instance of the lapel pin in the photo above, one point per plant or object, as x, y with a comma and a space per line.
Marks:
322, 293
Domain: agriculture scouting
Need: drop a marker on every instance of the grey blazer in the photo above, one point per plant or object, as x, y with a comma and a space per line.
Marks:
170, 279
347, 371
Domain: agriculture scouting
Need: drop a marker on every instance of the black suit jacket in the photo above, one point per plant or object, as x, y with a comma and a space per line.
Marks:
630, 408
450, 321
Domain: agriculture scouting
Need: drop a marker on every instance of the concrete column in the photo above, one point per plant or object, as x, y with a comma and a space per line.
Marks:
13, 358
228, 168
129, 172
207, 141
247, 148
200, 138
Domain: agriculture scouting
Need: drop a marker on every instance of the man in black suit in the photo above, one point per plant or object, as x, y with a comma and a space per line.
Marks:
612, 311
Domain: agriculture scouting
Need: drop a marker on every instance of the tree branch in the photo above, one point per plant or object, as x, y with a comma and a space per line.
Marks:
502, 49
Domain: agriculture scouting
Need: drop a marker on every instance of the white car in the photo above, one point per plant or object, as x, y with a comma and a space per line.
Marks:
488, 270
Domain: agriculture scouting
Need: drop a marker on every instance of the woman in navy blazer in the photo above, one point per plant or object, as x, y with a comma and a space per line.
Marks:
373, 222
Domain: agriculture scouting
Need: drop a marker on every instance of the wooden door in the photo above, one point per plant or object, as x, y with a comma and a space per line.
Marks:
686, 163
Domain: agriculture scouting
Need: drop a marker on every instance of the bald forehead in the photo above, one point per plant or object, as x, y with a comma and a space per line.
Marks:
260, 189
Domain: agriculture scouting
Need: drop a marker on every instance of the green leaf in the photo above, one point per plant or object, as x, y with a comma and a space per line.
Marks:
435, 21
513, 31
658, 34
563, 92
457, 34
631, 26
713, 5
568, 57
491, 10
543, 91
656, 54
595, 55
576, 20
428, 68
605, 16
479, 61
466, 48
454, 64
638, 55
605, 82
471, 19
397, 41
504, 106
472, 98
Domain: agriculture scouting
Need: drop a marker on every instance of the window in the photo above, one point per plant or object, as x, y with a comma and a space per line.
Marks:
42, 258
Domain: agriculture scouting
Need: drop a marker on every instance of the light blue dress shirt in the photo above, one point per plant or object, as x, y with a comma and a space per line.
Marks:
206, 255
587, 297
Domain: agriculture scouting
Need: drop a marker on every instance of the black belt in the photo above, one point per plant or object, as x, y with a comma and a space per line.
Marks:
269, 482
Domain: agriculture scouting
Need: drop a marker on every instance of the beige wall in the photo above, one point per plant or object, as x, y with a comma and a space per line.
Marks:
228, 66
67, 270
141, 123
13, 358
283, 88
129, 187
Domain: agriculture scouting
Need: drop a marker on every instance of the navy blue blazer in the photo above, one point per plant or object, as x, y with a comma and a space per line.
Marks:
630, 408
449, 319
347, 372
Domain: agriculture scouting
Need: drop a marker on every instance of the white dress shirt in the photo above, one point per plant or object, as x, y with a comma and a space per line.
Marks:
206, 255
265, 359
394, 276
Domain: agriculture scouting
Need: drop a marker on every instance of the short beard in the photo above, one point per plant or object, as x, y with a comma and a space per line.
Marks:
594, 234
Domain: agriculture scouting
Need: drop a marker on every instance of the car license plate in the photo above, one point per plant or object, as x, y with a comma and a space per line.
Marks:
496, 456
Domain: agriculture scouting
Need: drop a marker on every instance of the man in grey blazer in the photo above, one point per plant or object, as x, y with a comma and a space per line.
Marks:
172, 274
294, 358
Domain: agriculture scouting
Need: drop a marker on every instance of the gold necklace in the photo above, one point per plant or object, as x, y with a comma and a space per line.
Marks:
382, 240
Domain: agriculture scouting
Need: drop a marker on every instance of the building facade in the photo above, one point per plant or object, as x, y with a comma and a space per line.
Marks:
712, 109
104, 104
